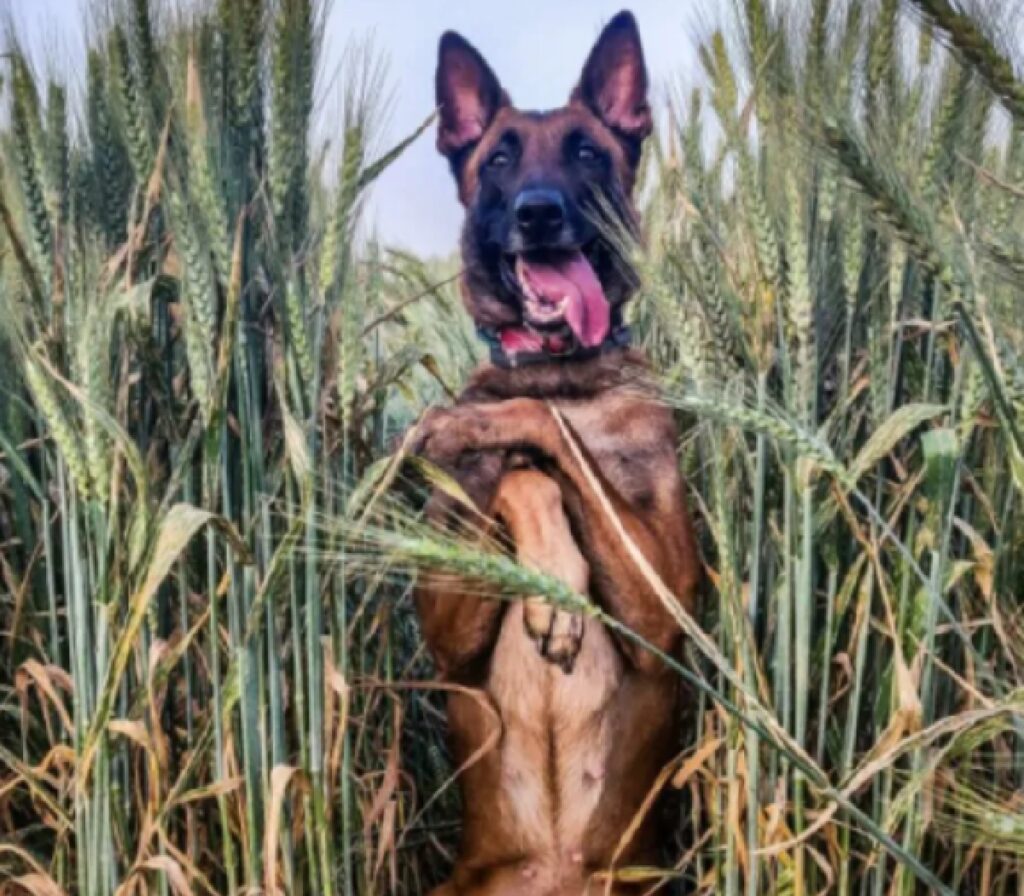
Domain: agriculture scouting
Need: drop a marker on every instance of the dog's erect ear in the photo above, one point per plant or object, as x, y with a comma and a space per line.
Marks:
469, 96
614, 82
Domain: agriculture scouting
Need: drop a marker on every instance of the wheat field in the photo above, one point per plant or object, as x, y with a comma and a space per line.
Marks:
211, 680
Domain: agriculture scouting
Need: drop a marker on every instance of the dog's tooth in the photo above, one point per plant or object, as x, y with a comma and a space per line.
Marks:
528, 290
524, 280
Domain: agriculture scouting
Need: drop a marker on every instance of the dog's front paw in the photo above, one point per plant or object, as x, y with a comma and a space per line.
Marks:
443, 435
557, 634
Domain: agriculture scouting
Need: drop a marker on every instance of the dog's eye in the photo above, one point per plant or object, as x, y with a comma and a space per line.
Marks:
499, 159
586, 153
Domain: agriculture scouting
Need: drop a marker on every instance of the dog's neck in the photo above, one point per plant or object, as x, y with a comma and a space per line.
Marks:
559, 378
513, 347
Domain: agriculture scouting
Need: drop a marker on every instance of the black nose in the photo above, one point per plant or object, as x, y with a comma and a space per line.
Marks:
540, 213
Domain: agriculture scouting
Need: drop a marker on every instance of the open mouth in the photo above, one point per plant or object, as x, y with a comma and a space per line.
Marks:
562, 296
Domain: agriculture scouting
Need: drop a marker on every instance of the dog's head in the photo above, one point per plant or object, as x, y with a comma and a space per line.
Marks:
540, 273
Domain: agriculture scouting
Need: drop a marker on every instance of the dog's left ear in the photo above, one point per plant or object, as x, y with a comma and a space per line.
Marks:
614, 82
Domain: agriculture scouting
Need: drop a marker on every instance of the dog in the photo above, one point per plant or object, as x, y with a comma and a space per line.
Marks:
554, 441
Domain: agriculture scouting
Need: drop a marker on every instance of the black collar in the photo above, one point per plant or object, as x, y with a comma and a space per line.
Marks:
619, 337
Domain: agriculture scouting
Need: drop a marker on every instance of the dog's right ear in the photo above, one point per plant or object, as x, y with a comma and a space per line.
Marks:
468, 94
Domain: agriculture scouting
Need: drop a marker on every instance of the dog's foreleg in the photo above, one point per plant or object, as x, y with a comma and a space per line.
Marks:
530, 505
459, 625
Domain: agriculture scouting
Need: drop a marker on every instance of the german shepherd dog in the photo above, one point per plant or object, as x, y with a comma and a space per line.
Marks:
556, 444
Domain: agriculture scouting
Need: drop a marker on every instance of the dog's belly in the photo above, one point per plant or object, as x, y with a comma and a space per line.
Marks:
555, 743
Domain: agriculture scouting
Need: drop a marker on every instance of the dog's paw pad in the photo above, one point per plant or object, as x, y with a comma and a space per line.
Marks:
563, 642
557, 634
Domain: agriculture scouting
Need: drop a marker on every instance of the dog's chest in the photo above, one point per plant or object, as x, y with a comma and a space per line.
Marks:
622, 451
557, 734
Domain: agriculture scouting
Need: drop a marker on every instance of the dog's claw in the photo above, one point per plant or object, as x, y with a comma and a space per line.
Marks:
424, 429
564, 640
428, 439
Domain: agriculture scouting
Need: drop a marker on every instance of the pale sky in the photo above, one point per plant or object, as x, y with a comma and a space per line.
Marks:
536, 47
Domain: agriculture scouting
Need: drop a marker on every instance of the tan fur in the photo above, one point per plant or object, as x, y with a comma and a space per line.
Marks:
530, 692
555, 727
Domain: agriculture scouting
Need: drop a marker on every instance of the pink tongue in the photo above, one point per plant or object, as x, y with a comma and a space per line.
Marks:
586, 311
